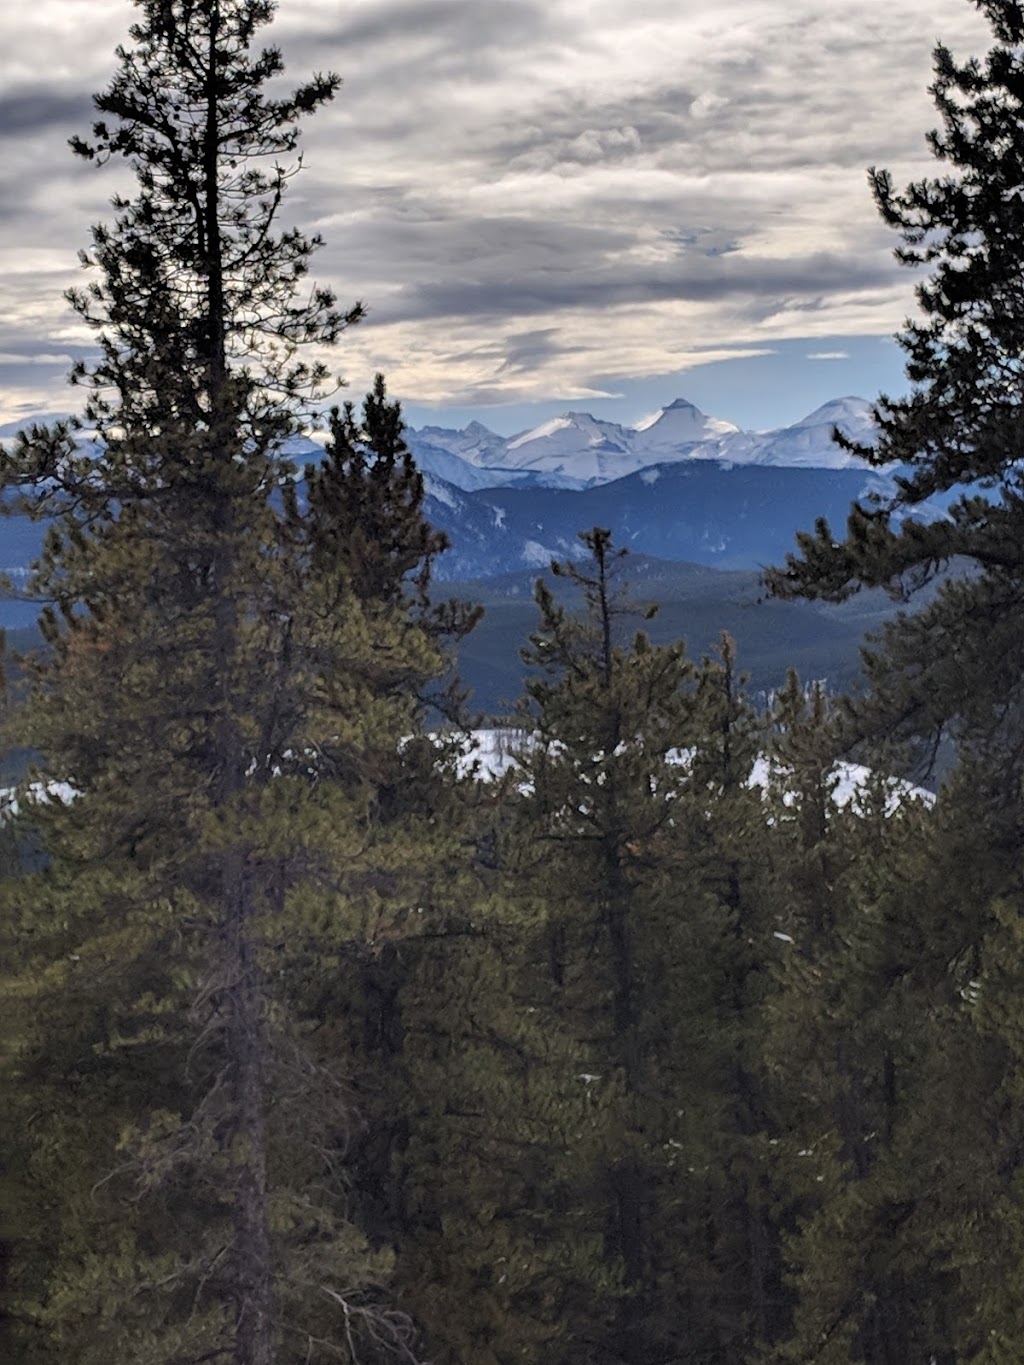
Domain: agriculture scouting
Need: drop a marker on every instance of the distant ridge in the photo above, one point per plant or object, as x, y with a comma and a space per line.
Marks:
577, 450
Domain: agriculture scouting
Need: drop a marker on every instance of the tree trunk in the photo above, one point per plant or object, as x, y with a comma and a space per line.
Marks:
247, 1050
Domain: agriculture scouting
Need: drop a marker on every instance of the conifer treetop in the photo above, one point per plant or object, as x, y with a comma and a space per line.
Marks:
959, 428
197, 278
956, 515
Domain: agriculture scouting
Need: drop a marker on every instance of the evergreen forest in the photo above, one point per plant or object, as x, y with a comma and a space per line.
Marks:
694, 1036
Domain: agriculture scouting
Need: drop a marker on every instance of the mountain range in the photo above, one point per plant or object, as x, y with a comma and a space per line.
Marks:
702, 505
679, 486
578, 451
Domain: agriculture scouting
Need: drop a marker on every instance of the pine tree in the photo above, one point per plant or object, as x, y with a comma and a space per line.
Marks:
631, 868
890, 1036
955, 664
225, 851
514, 1080
607, 716
853, 1047
941, 958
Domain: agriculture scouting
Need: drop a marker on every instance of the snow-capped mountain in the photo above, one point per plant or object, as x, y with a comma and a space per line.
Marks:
578, 450
439, 462
577, 446
680, 485
678, 425
475, 444
808, 444
454, 469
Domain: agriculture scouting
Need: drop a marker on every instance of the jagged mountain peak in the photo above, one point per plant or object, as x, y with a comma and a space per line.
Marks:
579, 449
680, 423
564, 432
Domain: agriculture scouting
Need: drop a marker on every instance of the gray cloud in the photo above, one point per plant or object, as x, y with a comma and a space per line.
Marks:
38, 108
430, 42
447, 21
524, 352
532, 196
766, 285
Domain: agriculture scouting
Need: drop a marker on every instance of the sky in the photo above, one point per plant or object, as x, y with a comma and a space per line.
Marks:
545, 205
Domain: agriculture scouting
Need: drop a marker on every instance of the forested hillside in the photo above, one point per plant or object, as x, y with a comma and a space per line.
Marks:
322, 1043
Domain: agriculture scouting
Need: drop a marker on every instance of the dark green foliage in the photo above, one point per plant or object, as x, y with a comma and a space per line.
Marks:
891, 1050
368, 503
847, 1039
368, 531
605, 1020
227, 692
958, 661
913, 990
498, 1258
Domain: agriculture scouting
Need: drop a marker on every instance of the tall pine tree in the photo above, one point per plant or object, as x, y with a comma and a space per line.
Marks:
932, 966
956, 664
639, 847
226, 848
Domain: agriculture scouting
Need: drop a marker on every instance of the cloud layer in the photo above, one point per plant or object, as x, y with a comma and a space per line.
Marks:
535, 198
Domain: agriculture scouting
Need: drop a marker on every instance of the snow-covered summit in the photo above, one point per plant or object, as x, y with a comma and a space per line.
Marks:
574, 444
809, 444
681, 423
577, 449
839, 411
565, 435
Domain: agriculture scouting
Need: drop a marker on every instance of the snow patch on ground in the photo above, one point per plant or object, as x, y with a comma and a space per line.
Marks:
537, 555
490, 754
36, 794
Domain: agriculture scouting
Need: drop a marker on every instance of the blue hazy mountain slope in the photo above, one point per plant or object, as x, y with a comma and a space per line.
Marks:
706, 512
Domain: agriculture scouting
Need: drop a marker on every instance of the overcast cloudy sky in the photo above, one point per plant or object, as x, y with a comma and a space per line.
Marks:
598, 204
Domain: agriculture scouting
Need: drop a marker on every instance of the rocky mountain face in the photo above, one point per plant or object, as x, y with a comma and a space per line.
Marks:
705, 512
